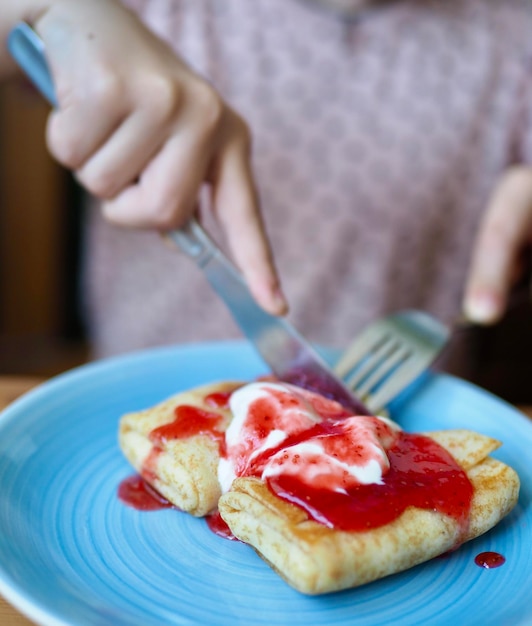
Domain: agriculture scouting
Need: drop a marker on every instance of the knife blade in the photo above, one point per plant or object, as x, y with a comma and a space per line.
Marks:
289, 356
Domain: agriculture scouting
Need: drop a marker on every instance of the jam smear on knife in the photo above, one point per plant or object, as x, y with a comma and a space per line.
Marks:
312, 381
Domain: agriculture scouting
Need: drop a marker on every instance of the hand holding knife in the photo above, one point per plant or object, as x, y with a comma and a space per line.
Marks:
286, 352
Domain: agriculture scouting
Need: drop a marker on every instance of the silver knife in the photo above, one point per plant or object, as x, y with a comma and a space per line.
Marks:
290, 357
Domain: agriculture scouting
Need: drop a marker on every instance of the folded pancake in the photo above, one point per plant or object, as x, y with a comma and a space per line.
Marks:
328, 499
315, 558
176, 445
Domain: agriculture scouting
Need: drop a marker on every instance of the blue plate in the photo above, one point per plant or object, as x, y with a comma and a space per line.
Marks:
71, 553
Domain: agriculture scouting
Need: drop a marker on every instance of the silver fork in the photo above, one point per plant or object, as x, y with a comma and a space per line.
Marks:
389, 354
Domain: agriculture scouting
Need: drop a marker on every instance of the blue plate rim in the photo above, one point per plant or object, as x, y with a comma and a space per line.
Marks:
22, 599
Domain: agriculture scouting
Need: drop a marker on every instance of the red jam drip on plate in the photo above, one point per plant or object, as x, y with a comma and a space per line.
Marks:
218, 526
421, 474
138, 494
489, 560
191, 421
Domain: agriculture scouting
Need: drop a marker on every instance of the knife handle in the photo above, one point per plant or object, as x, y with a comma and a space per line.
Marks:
193, 240
27, 49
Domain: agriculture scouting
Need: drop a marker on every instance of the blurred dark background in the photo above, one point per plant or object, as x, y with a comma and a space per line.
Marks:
41, 329
41, 332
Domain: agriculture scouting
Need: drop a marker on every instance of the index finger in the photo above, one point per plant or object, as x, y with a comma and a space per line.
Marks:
237, 208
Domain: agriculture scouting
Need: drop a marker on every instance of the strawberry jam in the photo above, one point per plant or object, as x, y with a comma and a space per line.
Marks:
139, 494
489, 560
217, 525
421, 474
311, 380
347, 472
190, 421
219, 399
413, 470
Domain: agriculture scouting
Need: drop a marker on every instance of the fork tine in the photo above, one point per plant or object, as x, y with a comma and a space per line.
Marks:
406, 372
389, 354
371, 360
369, 340
384, 369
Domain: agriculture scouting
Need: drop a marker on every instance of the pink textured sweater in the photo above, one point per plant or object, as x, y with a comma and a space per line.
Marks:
377, 142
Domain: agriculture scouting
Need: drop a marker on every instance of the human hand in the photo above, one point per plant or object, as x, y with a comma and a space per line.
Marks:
142, 132
504, 234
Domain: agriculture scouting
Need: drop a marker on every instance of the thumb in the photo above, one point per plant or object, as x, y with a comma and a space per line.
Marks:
505, 230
